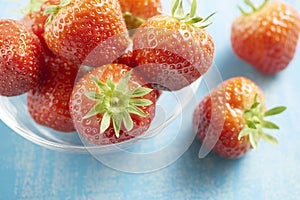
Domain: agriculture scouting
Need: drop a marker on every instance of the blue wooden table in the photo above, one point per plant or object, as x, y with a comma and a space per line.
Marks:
28, 171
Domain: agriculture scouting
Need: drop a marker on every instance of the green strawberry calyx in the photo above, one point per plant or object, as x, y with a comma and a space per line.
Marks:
255, 123
252, 6
117, 103
32, 6
190, 18
54, 9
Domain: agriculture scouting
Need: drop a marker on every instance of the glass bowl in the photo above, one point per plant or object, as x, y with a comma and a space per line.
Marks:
168, 137
14, 113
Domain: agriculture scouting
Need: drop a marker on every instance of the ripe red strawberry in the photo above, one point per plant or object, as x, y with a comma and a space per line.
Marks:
267, 37
35, 19
91, 32
49, 103
141, 8
231, 119
137, 11
111, 104
126, 59
173, 51
21, 59
129, 60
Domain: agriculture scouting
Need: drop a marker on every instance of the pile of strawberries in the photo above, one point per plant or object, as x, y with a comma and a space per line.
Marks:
84, 68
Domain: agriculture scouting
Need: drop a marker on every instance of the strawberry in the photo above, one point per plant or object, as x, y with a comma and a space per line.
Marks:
49, 103
231, 119
173, 51
35, 19
141, 8
137, 11
126, 59
21, 59
266, 37
129, 60
91, 32
111, 104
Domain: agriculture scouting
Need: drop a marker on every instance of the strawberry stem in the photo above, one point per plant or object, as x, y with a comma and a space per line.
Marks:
132, 21
252, 6
255, 123
54, 9
116, 103
190, 18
